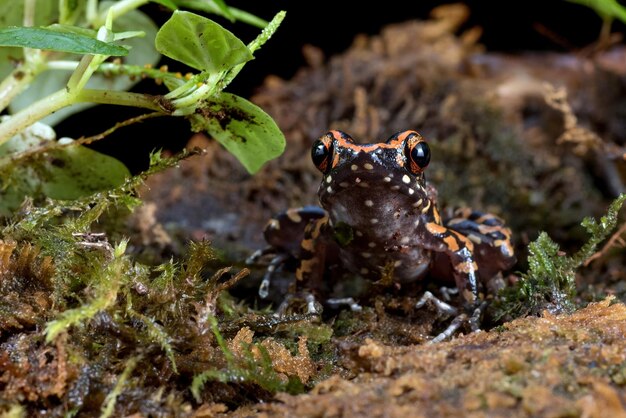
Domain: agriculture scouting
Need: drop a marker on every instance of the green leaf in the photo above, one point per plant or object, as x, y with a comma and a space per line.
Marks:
200, 43
12, 14
59, 173
142, 52
224, 10
231, 14
78, 171
166, 3
242, 128
605, 8
58, 27
53, 40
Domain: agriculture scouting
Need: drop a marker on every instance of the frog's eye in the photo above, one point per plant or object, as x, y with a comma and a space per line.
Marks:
322, 153
417, 153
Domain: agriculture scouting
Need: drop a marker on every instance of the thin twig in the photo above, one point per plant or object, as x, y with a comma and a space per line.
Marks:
615, 239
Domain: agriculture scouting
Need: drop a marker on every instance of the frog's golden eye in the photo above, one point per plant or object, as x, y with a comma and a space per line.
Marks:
322, 153
417, 153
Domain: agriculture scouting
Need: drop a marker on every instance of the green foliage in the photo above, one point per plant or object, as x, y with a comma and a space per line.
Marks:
108, 407
242, 128
106, 283
219, 7
68, 171
550, 281
200, 43
157, 333
53, 40
607, 9
65, 30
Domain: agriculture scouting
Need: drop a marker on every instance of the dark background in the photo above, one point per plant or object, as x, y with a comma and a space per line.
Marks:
510, 26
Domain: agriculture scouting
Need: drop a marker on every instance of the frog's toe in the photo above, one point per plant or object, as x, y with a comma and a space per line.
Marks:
454, 326
312, 308
275, 263
470, 317
350, 302
442, 307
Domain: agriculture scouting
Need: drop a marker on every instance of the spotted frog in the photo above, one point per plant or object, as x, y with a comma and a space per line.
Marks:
379, 217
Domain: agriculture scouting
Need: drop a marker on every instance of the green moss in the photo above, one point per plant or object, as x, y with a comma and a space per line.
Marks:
550, 280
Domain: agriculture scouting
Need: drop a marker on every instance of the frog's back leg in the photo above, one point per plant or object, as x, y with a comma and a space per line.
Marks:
285, 231
493, 250
285, 234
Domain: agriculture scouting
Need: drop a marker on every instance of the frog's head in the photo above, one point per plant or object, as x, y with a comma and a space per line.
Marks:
372, 185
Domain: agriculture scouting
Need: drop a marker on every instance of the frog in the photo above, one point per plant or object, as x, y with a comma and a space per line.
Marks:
379, 216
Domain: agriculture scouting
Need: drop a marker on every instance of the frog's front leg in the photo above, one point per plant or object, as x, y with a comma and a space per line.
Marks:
476, 247
452, 249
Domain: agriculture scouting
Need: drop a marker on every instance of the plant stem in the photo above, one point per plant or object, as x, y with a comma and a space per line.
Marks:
62, 98
118, 9
30, 55
26, 117
18, 81
122, 98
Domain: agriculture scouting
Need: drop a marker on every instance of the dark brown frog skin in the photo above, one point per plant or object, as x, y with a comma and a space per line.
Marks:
380, 217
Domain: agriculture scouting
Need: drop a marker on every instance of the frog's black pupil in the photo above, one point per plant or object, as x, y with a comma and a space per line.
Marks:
319, 153
420, 154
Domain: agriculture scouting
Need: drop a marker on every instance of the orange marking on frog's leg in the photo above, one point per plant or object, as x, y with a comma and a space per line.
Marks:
505, 246
466, 275
486, 229
436, 229
314, 229
464, 213
466, 267
463, 239
459, 249
306, 268
488, 217
436, 215
312, 256
451, 243
307, 244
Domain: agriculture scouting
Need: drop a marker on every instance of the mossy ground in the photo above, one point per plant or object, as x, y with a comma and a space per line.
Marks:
108, 313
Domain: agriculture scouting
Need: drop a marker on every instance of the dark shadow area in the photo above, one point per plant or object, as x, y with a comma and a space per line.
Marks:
510, 26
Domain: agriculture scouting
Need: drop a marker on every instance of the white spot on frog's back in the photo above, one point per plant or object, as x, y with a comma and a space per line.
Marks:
369, 203
406, 179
